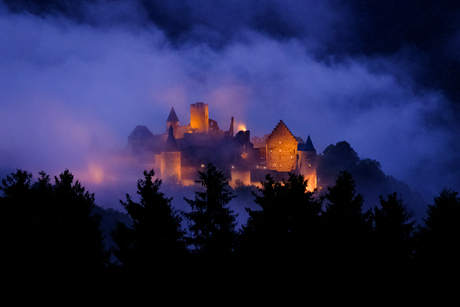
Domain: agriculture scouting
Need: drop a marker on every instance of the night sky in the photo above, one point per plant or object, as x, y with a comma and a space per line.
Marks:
78, 76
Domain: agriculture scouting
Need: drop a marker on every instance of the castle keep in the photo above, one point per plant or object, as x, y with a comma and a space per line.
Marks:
181, 151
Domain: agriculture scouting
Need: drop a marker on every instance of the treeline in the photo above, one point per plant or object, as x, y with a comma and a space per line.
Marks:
49, 229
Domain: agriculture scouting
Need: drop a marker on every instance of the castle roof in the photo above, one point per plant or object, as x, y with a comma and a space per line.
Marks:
140, 132
172, 116
171, 144
280, 127
308, 146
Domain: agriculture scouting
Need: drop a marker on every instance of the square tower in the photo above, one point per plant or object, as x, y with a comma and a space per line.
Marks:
199, 117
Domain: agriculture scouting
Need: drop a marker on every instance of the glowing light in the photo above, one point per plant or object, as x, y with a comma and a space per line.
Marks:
96, 173
241, 127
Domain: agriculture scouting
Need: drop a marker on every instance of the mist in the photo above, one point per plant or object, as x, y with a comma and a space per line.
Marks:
77, 79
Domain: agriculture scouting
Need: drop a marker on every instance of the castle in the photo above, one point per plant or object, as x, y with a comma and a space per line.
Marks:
183, 150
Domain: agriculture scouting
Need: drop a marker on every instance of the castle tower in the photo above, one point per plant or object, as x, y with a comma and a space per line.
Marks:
171, 157
173, 122
307, 163
199, 117
281, 149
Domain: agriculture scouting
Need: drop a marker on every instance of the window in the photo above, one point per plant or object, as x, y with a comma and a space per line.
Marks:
280, 142
280, 150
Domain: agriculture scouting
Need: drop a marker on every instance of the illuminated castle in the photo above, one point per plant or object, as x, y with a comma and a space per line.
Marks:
182, 150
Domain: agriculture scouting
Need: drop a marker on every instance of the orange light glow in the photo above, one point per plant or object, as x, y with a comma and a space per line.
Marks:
96, 173
241, 127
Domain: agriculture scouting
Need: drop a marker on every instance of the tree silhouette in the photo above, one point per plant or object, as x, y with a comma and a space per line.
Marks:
156, 238
438, 239
392, 232
211, 222
345, 230
50, 229
73, 231
282, 230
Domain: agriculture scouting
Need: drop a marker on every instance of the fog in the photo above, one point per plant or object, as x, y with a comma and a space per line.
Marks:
77, 79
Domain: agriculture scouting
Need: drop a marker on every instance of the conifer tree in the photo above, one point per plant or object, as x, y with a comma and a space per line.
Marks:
285, 222
437, 246
392, 231
345, 229
156, 238
211, 222
51, 228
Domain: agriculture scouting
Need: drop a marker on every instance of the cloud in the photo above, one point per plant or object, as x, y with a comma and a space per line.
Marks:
69, 81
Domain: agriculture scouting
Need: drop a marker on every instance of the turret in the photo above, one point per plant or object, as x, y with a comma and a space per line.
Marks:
171, 157
307, 164
173, 122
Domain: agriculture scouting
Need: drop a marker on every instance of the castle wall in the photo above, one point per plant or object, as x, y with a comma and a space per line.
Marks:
199, 117
240, 177
281, 150
171, 165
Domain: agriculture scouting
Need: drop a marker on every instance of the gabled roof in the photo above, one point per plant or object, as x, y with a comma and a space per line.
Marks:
171, 144
308, 146
140, 132
281, 126
172, 116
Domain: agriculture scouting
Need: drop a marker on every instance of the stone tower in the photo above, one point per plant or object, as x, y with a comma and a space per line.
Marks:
307, 164
171, 157
199, 117
281, 149
173, 122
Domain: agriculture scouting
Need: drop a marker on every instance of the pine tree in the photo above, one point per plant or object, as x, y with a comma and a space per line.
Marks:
438, 239
50, 229
211, 222
345, 229
156, 238
284, 225
392, 232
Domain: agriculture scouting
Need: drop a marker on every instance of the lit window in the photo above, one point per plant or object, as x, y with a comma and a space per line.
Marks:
280, 142
280, 150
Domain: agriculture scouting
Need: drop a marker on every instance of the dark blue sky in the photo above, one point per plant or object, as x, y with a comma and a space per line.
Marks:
382, 75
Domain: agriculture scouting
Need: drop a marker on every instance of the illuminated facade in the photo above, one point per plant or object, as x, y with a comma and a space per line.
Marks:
183, 150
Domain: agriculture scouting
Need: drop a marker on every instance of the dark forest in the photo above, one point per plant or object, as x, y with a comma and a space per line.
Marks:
54, 229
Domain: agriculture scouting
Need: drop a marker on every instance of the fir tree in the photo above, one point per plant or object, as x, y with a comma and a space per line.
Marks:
211, 222
438, 239
284, 226
156, 238
345, 229
392, 232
